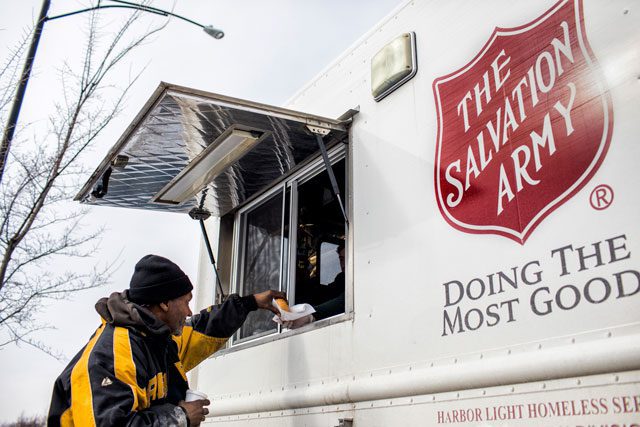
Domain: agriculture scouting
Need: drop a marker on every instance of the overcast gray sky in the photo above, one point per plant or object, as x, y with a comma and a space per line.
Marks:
270, 50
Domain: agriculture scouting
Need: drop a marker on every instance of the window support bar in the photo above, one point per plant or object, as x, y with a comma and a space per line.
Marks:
201, 215
332, 177
212, 259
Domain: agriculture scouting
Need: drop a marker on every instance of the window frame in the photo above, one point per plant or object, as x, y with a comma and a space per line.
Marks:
288, 188
239, 235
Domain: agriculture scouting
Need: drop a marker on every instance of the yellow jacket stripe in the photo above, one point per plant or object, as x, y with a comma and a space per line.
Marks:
125, 368
81, 396
66, 419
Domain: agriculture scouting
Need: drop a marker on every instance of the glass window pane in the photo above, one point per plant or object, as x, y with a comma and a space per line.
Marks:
261, 261
321, 230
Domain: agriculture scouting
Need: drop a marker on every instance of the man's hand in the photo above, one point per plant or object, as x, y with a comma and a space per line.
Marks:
263, 299
196, 410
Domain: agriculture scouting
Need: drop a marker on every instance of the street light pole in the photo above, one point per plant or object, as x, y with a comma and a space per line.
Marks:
9, 130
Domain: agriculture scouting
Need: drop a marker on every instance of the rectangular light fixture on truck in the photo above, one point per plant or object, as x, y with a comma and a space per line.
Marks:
393, 65
232, 145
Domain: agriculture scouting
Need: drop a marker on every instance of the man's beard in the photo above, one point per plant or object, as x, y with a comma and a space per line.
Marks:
178, 331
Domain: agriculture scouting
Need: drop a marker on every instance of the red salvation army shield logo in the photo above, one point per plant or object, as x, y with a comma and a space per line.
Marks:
522, 127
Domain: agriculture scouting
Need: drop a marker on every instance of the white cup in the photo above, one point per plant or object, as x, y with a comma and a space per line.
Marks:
195, 395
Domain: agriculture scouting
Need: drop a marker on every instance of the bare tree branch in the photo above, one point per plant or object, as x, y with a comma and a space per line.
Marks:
11, 69
37, 228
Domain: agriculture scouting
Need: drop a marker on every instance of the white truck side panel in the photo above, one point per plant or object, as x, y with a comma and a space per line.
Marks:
397, 346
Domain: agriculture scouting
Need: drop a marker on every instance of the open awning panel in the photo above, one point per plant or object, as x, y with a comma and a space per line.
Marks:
173, 137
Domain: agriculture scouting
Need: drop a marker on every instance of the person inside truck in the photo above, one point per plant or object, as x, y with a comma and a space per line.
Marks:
332, 306
133, 370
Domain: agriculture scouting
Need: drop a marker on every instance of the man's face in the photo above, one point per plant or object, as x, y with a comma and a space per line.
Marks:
178, 312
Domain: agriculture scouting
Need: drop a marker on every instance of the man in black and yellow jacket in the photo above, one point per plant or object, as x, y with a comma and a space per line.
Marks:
132, 372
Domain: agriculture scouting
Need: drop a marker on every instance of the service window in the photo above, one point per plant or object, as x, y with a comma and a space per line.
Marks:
293, 238
261, 259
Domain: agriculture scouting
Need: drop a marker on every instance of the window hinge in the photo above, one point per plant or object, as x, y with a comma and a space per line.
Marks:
318, 130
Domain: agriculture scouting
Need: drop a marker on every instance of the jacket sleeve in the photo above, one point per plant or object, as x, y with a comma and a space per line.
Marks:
329, 308
207, 331
105, 390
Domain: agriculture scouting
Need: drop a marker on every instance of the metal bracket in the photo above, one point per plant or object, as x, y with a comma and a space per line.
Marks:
199, 214
318, 130
345, 422
347, 117
120, 161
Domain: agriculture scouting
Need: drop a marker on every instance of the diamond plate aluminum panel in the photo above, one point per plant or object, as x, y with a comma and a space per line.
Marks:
177, 124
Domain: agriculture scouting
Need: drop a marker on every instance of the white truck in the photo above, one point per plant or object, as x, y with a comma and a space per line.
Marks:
489, 205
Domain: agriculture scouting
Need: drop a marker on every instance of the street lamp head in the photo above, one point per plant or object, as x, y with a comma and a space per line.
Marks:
213, 32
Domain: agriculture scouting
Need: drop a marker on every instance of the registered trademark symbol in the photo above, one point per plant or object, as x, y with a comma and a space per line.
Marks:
601, 197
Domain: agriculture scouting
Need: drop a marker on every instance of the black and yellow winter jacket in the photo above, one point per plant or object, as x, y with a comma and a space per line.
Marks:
132, 370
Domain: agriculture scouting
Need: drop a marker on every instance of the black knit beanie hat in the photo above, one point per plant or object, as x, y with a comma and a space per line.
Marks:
156, 279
